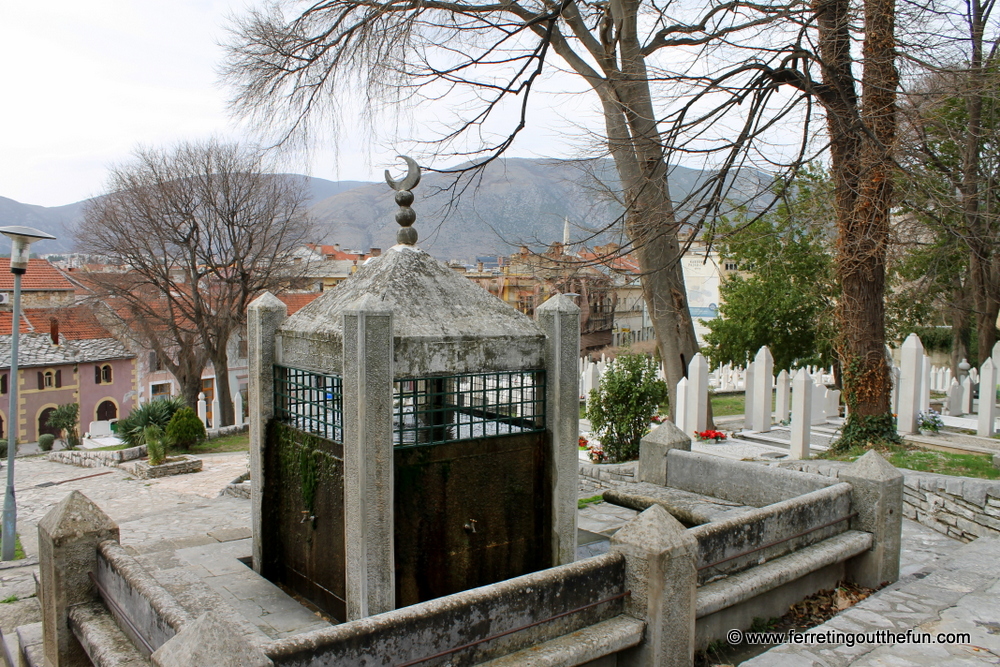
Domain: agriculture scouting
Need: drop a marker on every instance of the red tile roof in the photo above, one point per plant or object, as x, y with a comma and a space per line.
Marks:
41, 276
298, 300
75, 323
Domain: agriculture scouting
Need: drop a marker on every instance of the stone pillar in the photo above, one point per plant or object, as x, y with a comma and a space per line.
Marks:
264, 315
202, 409
802, 387
697, 398
832, 408
680, 410
209, 640
763, 381
955, 399
911, 363
660, 571
818, 415
782, 397
238, 408
967, 395
987, 399
216, 412
368, 459
559, 318
748, 383
654, 448
67, 552
925, 385
877, 497
895, 389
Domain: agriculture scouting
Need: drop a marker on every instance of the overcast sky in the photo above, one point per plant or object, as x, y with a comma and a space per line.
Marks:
88, 81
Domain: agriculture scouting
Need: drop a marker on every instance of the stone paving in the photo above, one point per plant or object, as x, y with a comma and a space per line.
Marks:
181, 525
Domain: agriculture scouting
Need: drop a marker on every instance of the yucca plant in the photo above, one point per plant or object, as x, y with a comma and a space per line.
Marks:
154, 413
155, 448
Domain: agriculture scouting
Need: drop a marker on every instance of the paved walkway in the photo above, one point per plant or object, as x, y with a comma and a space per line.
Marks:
182, 525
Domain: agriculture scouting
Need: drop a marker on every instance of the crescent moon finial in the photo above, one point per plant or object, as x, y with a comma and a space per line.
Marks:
405, 216
412, 178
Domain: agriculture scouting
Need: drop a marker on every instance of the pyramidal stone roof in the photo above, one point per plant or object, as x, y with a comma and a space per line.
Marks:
442, 321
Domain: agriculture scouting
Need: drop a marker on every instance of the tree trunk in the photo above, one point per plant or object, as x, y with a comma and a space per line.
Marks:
861, 142
220, 361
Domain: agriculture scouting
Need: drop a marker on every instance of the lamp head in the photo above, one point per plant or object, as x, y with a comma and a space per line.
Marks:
21, 238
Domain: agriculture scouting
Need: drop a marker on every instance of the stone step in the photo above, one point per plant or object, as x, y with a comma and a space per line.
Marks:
29, 642
12, 616
102, 639
743, 586
580, 647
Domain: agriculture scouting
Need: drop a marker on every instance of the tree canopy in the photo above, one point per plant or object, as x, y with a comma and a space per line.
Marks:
203, 228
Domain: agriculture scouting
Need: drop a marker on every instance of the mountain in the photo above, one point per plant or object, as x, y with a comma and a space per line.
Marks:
513, 201
61, 221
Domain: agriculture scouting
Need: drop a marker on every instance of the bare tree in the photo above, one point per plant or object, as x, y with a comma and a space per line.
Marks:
203, 228
719, 82
952, 123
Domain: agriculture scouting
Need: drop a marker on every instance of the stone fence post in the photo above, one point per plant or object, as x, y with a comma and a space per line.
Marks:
654, 448
368, 459
877, 497
67, 553
660, 571
264, 315
559, 318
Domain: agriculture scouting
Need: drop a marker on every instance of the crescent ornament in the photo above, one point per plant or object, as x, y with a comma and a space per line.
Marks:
412, 178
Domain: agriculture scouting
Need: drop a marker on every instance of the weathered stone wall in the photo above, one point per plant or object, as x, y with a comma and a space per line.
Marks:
609, 474
86, 458
427, 628
963, 508
186, 464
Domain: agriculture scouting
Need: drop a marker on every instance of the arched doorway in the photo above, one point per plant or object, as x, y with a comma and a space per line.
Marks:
107, 411
43, 423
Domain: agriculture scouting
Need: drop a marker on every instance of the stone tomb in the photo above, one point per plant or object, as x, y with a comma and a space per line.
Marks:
412, 436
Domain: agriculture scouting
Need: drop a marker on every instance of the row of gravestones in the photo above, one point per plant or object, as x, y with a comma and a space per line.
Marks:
726, 378
915, 378
802, 398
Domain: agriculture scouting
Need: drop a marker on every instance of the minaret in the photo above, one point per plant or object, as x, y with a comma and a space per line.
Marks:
566, 234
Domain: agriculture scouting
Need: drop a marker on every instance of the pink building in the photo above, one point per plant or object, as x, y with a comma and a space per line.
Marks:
65, 356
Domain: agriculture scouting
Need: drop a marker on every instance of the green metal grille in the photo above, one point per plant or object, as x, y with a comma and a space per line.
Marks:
434, 410
426, 411
310, 402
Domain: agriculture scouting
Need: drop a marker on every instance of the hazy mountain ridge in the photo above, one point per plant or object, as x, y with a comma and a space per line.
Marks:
513, 201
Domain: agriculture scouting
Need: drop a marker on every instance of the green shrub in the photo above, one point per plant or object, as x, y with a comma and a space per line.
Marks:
65, 418
45, 442
3, 450
154, 413
621, 407
155, 447
185, 429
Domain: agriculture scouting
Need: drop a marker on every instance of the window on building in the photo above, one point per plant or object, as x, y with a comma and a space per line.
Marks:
49, 380
3, 383
102, 374
731, 266
158, 391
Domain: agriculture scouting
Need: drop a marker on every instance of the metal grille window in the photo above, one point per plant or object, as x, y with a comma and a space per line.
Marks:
451, 408
310, 402
426, 411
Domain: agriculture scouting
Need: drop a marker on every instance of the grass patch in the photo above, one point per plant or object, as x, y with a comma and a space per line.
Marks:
922, 460
109, 448
18, 555
583, 502
728, 404
235, 442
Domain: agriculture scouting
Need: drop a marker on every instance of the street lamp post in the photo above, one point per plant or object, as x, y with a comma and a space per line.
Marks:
21, 238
